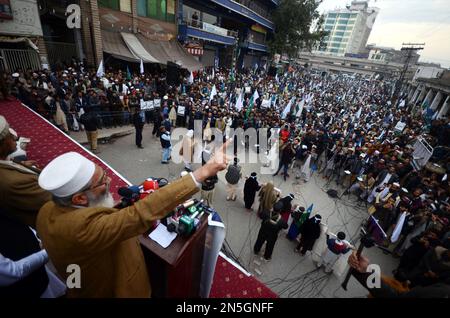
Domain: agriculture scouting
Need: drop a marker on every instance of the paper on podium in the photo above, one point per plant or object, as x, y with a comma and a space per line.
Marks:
161, 236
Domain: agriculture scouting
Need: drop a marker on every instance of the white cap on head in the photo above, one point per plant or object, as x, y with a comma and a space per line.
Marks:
376, 152
15, 74
396, 184
4, 128
67, 174
190, 133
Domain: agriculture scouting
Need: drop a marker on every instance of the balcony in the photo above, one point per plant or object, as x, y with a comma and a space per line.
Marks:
254, 46
206, 31
241, 9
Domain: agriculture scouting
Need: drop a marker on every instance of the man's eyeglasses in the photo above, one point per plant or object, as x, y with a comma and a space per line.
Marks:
103, 181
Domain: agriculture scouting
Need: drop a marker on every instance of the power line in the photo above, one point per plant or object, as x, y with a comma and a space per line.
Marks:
410, 48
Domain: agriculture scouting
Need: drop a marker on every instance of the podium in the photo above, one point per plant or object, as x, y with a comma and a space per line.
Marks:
175, 271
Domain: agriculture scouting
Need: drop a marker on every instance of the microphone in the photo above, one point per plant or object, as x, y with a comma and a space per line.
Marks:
129, 195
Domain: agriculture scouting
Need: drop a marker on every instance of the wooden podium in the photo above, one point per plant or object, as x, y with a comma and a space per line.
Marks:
175, 271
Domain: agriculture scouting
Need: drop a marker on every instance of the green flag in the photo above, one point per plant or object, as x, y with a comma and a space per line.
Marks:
254, 97
128, 73
305, 216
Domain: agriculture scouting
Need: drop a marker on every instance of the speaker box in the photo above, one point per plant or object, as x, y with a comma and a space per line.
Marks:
173, 74
332, 193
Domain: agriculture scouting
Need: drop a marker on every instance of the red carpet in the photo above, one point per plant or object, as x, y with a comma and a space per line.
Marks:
48, 142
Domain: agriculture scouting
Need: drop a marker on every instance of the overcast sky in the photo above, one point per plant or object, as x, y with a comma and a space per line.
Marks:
418, 21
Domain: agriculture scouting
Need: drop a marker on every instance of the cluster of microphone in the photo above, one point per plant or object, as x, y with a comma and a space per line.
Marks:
132, 194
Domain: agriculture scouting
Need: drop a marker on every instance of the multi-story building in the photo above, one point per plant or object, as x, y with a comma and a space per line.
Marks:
348, 28
216, 31
21, 36
388, 54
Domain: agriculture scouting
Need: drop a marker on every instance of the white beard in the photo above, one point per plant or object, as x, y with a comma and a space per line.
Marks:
106, 201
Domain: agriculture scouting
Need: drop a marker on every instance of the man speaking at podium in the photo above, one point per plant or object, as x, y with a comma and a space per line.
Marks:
80, 226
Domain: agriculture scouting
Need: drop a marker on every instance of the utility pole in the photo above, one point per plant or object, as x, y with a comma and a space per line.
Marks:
409, 48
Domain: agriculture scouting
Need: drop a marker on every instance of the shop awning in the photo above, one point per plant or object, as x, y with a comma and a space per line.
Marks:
170, 51
114, 44
155, 48
180, 56
136, 47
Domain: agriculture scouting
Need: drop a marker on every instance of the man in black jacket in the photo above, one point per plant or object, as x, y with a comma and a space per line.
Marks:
270, 227
250, 188
90, 122
138, 122
310, 231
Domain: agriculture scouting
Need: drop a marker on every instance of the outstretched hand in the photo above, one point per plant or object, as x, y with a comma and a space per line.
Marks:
360, 263
217, 163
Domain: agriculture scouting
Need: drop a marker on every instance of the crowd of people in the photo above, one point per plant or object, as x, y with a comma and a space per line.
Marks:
346, 130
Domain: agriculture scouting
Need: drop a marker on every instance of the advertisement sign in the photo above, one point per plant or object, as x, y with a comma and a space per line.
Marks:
214, 29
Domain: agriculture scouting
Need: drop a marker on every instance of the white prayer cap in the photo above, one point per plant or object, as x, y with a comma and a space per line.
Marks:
190, 133
67, 174
304, 147
376, 152
396, 184
4, 128
15, 75
166, 97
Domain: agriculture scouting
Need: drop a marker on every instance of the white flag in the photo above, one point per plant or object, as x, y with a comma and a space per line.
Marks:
100, 70
191, 78
287, 109
213, 93
213, 75
358, 114
239, 103
255, 95
142, 67
301, 104
276, 77
398, 228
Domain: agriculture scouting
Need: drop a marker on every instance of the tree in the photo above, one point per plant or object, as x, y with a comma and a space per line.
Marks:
297, 26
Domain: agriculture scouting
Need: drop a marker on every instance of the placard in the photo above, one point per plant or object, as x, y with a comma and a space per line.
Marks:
266, 103
181, 110
147, 105
400, 126
248, 89
157, 103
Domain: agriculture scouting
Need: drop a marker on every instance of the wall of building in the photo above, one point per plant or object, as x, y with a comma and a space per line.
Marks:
427, 72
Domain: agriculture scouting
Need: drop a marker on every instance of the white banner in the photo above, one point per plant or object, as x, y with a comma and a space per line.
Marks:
157, 103
181, 110
266, 103
147, 105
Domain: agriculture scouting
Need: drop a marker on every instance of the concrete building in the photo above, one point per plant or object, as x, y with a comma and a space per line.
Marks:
349, 29
349, 65
430, 92
388, 54
21, 37
428, 70
217, 30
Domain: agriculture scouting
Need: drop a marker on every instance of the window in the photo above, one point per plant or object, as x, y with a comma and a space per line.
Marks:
142, 8
331, 15
341, 27
163, 10
125, 6
170, 11
112, 4
152, 10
